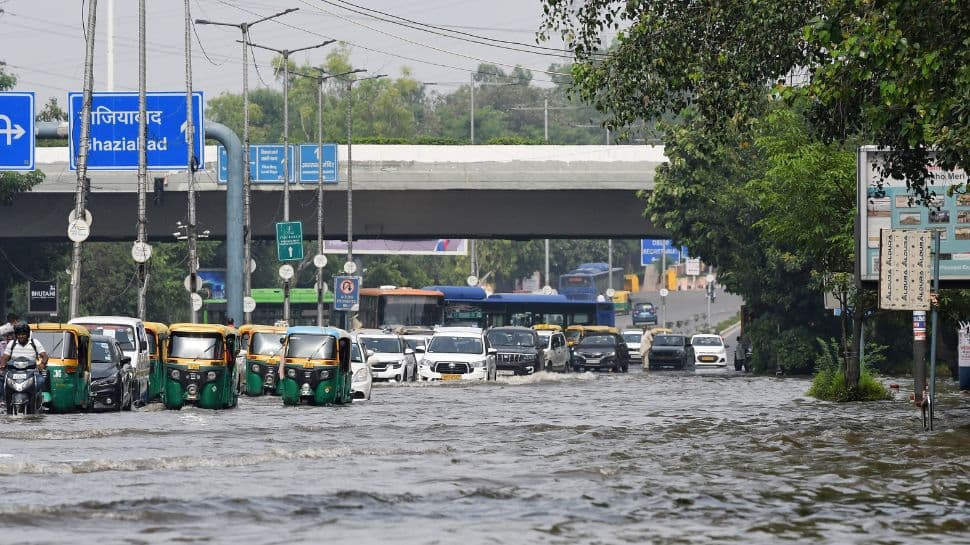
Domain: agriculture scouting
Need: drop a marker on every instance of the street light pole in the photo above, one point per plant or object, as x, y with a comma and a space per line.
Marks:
350, 175
247, 213
192, 160
321, 77
285, 53
84, 142
142, 226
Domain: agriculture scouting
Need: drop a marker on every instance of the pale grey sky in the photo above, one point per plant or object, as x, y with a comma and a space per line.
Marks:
42, 41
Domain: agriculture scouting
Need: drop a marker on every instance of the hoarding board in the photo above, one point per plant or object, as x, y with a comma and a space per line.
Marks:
891, 206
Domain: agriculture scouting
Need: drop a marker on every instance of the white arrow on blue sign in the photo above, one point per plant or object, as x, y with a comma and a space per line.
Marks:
310, 163
17, 131
652, 250
265, 163
114, 130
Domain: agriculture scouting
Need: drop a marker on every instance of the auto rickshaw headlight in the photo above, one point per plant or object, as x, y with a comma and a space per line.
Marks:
175, 374
291, 373
325, 374
211, 375
255, 368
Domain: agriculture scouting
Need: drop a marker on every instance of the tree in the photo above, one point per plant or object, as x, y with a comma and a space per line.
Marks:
52, 111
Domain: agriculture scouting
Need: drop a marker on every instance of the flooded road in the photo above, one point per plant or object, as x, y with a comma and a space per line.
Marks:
629, 458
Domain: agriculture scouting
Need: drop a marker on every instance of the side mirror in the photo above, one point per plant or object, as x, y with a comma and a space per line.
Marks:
492, 351
126, 360
369, 353
408, 351
282, 340
419, 349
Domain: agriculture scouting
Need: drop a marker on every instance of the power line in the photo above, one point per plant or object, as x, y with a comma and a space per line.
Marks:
472, 38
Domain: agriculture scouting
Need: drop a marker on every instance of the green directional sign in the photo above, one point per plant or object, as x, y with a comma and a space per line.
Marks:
289, 240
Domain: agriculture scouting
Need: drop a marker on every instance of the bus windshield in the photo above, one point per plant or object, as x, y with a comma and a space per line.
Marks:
410, 310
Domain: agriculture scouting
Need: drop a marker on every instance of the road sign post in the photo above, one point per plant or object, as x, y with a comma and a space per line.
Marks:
310, 163
114, 130
289, 240
16, 131
265, 163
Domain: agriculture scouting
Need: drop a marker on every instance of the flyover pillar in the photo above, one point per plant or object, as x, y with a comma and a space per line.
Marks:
234, 205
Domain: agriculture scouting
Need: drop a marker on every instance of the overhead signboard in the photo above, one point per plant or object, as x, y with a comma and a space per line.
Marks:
289, 240
905, 267
114, 120
265, 163
346, 292
311, 162
42, 297
653, 250
439, 246
889, 205
16, 131
693, 267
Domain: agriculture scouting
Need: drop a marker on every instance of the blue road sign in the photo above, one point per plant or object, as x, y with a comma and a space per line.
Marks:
652, 250
265, 163
289, 240
114, 130
17, 131
346, 292
310, 165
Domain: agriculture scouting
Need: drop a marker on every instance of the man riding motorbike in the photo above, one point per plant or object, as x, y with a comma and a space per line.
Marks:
24, 346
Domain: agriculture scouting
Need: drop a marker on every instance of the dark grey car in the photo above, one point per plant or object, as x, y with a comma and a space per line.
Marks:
518, 350
601, 352
670, 351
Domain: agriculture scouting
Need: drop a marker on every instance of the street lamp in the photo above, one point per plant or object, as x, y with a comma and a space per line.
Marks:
285, 53
350, 175
247, 216
320, 78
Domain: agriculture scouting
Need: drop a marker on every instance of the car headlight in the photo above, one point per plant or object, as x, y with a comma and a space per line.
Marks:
529, 357
109, 381
291, 373
360, 375
480, 363
423, 362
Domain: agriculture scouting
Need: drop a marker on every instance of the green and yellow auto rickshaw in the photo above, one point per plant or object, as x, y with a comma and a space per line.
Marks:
315, 366
201, 367
157, 351
262, 357
68, 365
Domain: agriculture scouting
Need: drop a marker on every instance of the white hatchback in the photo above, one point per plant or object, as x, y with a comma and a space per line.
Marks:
710, 352
458, 353
361, 382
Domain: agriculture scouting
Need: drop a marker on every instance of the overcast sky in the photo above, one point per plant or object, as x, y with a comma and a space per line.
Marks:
42, 41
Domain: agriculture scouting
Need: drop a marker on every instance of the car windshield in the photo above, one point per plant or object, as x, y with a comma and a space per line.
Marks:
706, 341
203, 346
386, 345
632, 337
598, 340
314, 347
355, 353
668, 340
124, 334
447, 344
643, 307
103, 358
511, 338
265, 344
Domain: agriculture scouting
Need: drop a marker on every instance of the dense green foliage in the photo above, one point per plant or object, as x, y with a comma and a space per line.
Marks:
829, 381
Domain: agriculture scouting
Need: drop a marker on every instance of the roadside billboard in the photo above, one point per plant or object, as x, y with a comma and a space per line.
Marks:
890, 205
441, 246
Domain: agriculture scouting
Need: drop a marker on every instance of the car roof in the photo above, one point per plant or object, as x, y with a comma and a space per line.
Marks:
375, 333
457, 329
706, 335
512, 328
637, 331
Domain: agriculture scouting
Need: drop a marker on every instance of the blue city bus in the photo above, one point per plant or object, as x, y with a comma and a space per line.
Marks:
473, 307
588, 280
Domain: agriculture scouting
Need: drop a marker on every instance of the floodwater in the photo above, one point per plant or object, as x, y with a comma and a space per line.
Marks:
628, 458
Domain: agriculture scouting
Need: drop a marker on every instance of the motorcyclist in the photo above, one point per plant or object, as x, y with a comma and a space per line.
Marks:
23, 346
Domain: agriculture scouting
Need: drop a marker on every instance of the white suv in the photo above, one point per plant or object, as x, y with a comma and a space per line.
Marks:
393, 359
458, 353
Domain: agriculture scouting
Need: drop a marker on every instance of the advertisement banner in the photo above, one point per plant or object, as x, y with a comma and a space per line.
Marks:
885, 203
440, 246
905, 269
41, 297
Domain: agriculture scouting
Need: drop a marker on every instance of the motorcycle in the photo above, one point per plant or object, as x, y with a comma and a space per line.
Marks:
23, 390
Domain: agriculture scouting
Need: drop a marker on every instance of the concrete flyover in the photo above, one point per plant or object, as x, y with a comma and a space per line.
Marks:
399, 192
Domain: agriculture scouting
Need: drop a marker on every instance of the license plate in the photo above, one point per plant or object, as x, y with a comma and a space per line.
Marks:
505, 372
19, 376
450, 377
592, 360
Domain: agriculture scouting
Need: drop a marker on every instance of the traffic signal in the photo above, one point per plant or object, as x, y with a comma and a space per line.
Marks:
158, 194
